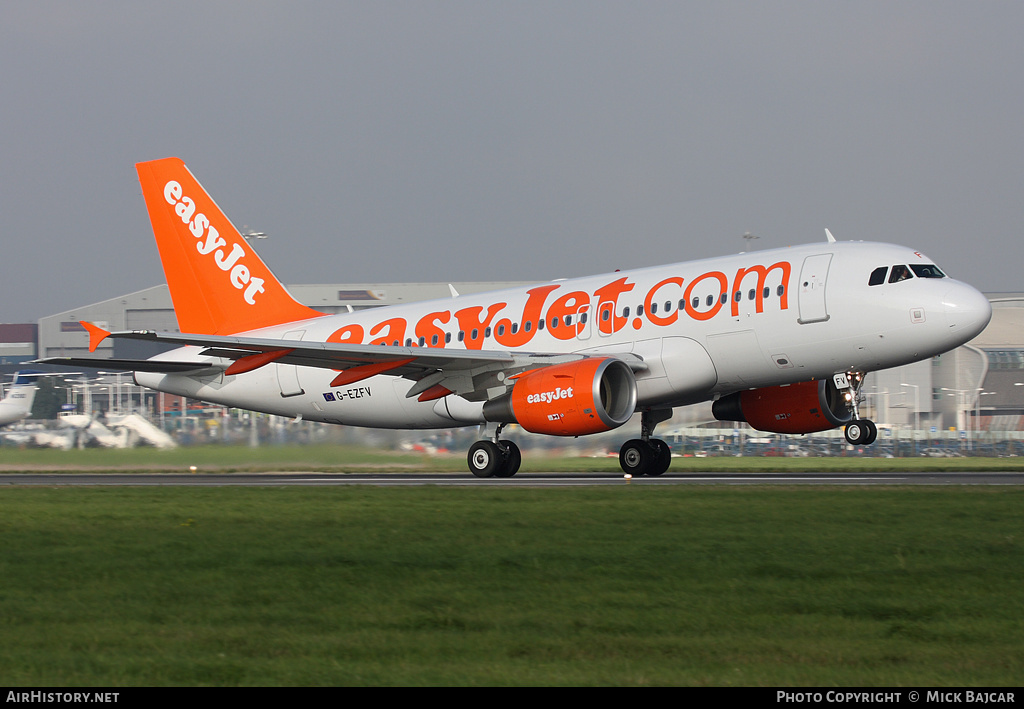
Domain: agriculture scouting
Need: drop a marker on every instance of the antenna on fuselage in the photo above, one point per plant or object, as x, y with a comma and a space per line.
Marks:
828, 235
749, 238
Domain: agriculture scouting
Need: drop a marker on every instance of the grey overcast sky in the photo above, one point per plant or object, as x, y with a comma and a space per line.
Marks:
439, 141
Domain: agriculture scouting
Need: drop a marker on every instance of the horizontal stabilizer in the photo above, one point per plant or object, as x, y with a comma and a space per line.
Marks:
133, 365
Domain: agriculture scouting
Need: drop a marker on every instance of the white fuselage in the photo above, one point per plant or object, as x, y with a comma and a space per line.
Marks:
702, 328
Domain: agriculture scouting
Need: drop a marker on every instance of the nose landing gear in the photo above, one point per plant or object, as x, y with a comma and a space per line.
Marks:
859, 432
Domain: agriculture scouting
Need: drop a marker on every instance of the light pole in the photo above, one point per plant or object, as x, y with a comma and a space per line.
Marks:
917, 411
881, 410
961, 409
977, 409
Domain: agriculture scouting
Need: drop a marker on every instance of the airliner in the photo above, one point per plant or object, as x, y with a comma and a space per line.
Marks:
17, 404
779, 339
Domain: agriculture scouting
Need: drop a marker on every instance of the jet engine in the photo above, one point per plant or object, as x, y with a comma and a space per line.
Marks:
572, 399
806, 407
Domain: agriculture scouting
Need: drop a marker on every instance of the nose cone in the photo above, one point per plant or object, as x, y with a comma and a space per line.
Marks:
967, 311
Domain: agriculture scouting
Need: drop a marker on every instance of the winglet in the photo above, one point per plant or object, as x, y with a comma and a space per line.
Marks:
96, 334
828, 235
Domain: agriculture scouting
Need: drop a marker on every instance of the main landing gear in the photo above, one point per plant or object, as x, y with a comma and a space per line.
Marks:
494, 458
859, 432
646, 455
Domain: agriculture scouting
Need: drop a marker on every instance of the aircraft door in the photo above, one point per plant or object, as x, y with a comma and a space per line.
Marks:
811, 293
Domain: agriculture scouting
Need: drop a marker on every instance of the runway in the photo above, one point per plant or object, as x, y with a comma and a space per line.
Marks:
299, 478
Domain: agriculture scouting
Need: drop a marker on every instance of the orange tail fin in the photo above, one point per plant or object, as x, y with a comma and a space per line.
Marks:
218, 284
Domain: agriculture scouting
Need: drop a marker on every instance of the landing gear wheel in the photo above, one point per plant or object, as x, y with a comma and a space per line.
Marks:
861, 432
662, 457
872, 432
635, 457
485, 459
511, 459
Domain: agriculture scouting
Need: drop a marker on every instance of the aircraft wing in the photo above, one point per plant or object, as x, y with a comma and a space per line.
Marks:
436, 371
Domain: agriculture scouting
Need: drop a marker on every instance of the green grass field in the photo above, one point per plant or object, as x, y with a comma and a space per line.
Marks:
470, 586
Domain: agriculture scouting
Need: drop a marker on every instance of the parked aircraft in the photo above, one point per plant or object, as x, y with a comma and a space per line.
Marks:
17, 404
777, 338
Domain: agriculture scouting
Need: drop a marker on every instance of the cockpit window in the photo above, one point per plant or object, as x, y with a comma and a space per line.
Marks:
902, 273
899, 273
927, 271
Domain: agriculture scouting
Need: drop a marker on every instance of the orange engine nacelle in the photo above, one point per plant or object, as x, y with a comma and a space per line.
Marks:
806, 407
572, 399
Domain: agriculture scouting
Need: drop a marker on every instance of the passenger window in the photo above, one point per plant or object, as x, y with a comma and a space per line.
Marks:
711, 300
696, 302
767, 292
878, 276
668, 306
751, 293
780, 290
725, 298
899, 273
654, 308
